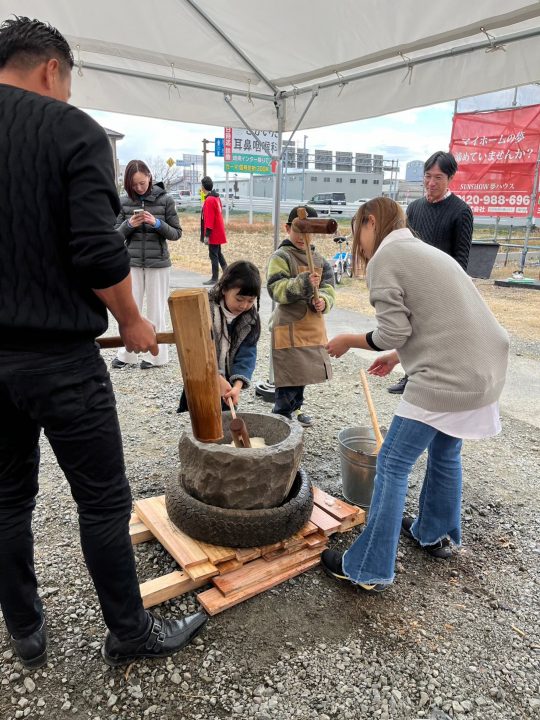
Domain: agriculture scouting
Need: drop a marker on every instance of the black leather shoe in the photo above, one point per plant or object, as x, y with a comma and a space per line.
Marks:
165, 638
399, 387
32, 650
441, 550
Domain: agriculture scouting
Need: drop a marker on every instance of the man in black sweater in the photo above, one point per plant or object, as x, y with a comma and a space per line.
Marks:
440, 219
62, 265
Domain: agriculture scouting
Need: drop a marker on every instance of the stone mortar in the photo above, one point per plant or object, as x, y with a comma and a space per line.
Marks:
243, 478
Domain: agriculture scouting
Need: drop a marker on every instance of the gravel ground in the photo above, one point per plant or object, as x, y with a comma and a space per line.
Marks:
456, 639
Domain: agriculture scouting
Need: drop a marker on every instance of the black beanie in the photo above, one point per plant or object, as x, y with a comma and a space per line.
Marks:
311, 212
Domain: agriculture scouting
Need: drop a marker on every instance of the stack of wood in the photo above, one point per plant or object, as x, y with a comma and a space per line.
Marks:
235, 573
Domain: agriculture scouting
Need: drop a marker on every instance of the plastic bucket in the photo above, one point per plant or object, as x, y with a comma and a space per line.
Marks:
356, 445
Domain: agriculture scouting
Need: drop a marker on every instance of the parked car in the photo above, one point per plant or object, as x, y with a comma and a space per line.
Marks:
329, 198
361, 201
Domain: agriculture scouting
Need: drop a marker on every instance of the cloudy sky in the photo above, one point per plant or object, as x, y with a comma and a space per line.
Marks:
409, 135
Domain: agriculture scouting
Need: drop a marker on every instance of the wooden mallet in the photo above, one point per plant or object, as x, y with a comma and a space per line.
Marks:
306, 226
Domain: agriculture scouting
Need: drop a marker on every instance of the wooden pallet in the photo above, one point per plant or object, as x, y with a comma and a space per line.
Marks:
236, 574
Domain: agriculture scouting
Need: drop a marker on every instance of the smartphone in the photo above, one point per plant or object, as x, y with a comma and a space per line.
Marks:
136, 212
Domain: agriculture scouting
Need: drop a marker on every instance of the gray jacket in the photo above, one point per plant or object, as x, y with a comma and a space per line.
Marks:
147, 245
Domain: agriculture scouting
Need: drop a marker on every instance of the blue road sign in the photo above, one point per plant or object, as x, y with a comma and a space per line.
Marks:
218, 147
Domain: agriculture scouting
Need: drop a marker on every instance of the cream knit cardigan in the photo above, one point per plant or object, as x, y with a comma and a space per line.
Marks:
428, 309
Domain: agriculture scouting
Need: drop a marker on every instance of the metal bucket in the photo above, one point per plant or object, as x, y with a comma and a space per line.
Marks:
356, 445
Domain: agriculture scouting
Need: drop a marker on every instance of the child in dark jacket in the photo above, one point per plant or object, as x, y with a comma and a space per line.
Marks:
234, 311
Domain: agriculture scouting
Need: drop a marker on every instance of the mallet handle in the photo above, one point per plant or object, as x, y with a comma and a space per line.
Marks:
114, 341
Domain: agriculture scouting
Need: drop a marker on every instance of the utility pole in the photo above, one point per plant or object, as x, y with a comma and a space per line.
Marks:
205, 152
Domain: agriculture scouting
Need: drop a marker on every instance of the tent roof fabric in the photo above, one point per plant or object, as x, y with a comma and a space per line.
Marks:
179, 59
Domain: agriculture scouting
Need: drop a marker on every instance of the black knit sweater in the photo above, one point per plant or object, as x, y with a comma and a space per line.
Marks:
58, 207
447, 225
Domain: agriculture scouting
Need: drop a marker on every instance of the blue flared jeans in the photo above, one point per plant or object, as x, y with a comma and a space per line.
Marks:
371, 558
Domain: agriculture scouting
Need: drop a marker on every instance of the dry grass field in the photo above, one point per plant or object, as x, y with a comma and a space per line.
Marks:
517, 309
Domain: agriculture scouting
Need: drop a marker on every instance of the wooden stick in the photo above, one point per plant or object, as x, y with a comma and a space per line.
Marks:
302, 214
372, 413
114, 341
239, 430
323, 226
231, 406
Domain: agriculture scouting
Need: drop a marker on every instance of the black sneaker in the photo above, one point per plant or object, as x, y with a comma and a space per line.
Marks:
118, 364
145, 365
32, 650
332, 565
399, 387
441, 550
304, 419
164, 638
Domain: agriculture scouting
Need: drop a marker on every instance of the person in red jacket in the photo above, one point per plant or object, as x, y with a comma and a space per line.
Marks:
212, 228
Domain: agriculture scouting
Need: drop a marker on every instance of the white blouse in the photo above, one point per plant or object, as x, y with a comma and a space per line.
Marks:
466, 424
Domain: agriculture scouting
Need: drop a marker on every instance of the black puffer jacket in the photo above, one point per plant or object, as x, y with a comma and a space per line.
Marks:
147, 245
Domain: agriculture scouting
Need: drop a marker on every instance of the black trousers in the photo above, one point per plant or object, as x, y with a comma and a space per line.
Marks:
288, 399
217, 259
68, 394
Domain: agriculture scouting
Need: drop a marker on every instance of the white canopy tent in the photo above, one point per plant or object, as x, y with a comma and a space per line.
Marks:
181, 59
289, 65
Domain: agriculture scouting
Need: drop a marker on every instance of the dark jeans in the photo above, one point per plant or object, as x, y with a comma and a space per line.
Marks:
288, 399
216, 258
70, 396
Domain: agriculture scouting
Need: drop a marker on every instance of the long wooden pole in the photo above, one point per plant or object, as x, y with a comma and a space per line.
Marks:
302, 214
190, 316
372, 413
114, 341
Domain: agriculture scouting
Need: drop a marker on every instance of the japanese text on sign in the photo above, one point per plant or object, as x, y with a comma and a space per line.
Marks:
245, 153
496, 153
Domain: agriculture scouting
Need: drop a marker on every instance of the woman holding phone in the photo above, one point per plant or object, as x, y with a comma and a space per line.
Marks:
147, 220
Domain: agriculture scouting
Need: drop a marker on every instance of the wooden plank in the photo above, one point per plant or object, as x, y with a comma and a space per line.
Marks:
202, 571
214, 602
229, 566
245, 555
316, 540
358, 519
308, 529
275, 554
217, 553
139, 533
258, 571
166, 587
266, 549
333, 506
184, 549
324, 522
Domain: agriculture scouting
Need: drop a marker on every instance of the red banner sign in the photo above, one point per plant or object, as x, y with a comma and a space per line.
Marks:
497, 154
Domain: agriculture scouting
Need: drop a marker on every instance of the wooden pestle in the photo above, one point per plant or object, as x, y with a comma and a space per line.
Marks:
238, 429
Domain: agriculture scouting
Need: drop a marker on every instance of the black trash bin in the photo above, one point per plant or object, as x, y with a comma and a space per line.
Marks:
482, 258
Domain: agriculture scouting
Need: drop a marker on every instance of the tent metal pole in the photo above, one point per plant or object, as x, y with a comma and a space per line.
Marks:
244, 123
181, 83
453, 52
280, 111
231, 44
530, 217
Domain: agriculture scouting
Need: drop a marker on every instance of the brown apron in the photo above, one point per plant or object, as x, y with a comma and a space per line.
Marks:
298, 344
